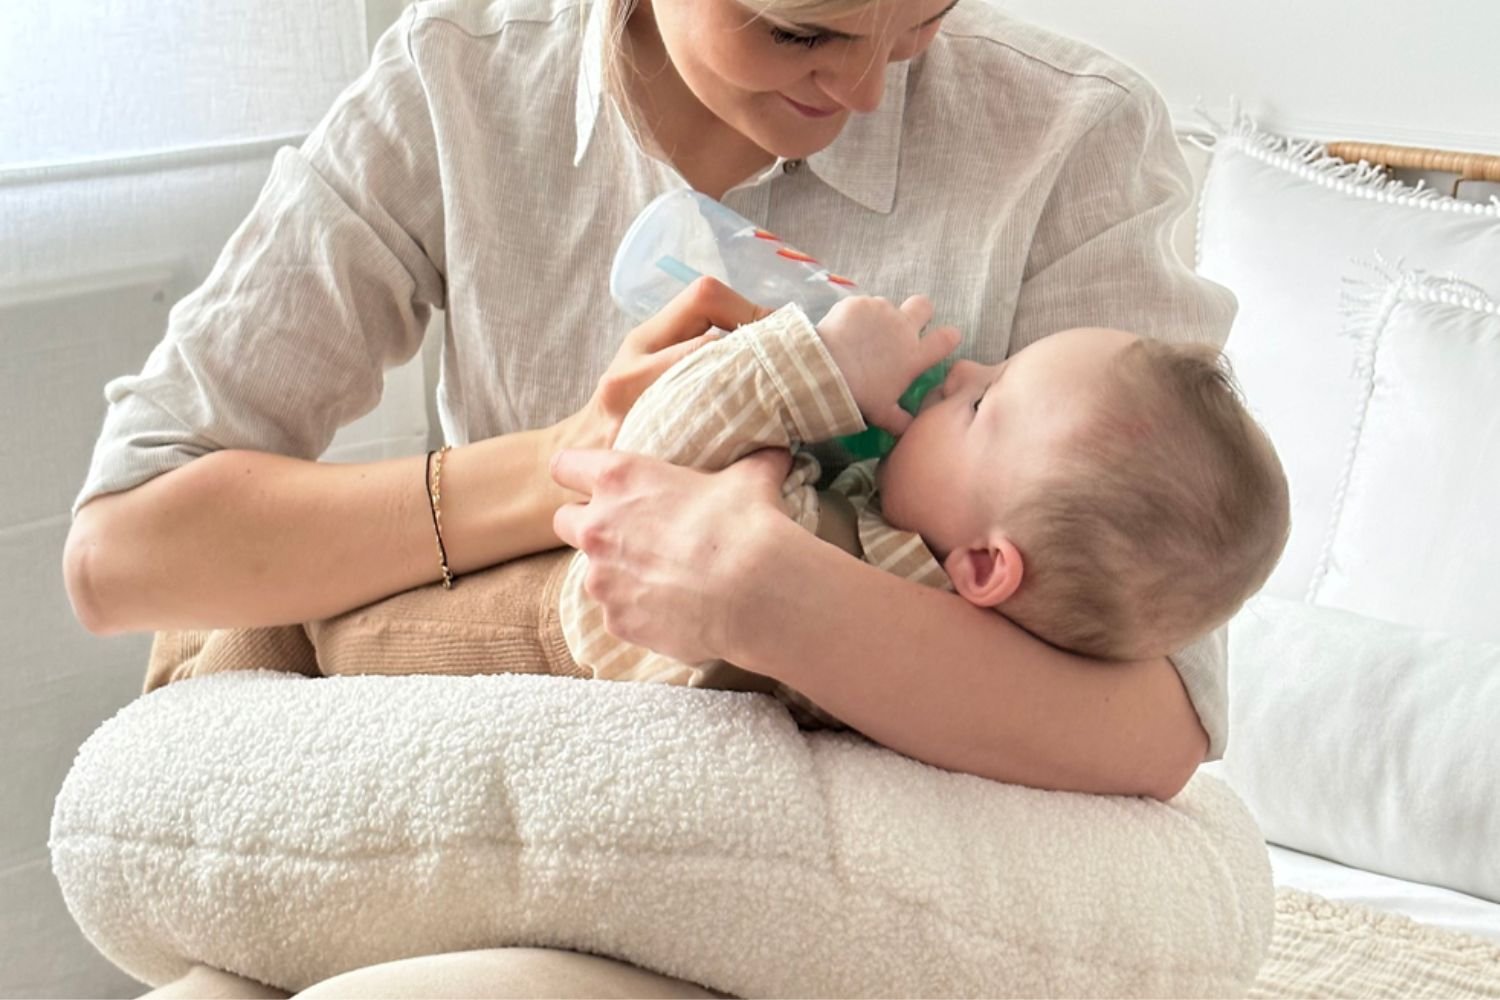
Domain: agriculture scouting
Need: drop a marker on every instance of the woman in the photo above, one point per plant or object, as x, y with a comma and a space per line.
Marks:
488, 163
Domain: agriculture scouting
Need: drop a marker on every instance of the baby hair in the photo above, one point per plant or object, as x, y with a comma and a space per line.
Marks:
1159, 522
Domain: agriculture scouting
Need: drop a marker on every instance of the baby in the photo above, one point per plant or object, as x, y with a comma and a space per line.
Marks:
1106, 492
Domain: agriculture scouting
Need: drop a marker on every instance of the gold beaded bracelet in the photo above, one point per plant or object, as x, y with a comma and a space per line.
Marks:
433, 481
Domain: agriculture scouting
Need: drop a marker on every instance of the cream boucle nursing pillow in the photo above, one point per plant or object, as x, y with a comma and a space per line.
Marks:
289, 829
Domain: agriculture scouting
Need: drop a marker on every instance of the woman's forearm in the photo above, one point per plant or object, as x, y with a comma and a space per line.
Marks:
244, 539
928, 674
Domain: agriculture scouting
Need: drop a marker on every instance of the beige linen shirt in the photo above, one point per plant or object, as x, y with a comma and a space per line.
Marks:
1025, 181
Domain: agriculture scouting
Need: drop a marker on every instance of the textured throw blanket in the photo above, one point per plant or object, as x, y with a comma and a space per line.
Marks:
1333, 950
289, 829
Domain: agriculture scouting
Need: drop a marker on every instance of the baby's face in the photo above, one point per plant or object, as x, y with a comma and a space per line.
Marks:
991, 430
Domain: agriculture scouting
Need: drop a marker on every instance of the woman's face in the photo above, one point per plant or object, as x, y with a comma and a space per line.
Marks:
789, 87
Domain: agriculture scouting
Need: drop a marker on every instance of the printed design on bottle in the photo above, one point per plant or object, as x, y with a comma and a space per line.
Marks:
792, 254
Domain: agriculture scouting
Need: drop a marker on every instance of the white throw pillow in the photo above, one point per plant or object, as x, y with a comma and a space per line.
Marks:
1416, 523
1280, 225
1368, 743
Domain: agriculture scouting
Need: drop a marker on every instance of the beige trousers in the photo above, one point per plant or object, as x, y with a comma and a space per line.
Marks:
502, 620
502, 973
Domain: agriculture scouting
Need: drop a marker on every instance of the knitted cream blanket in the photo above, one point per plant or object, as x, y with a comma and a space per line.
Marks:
1326, 949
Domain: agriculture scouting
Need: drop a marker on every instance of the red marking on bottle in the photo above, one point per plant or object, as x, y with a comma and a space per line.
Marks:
796, 255
761, 234
837, 280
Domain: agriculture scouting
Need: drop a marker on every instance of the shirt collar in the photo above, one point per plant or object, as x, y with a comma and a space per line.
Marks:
861, 164
590, 94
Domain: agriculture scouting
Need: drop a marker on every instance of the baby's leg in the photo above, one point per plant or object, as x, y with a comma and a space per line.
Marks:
502, 620
178, 655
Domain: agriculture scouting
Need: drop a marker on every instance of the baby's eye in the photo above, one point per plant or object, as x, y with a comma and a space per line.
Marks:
783, 37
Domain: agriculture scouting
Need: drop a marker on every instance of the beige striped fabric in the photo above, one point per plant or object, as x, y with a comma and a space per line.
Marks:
771, 384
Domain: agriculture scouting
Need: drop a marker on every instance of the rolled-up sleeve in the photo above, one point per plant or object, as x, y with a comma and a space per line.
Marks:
330, 280
1204, 669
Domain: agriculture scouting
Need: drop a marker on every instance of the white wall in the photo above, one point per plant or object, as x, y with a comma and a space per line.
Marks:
1384, 70
134, 137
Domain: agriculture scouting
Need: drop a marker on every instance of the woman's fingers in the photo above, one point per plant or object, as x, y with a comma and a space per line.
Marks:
704, 304
578, 469
667, 357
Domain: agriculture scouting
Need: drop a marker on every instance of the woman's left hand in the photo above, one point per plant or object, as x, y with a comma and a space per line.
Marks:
684, 324
668, 546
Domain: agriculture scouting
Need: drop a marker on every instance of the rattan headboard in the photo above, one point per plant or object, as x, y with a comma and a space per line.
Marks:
1466, 166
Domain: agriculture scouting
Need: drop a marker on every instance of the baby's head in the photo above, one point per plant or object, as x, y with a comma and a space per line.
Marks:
1106, 492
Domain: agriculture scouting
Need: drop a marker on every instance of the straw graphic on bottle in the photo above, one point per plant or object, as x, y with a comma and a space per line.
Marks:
677, 269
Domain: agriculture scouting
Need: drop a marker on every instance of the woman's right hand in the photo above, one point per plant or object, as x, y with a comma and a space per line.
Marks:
684, 325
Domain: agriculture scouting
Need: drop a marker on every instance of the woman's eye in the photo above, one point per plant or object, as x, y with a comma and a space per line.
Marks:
783, 37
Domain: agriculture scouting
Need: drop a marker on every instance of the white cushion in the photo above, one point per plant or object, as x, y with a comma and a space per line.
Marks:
1368, 743
324, 825
1416, 533
1280, 225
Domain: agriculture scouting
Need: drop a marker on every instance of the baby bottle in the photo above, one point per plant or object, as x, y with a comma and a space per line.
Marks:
684, 235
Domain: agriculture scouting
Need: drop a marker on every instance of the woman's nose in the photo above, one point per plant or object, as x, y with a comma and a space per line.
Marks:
858, 82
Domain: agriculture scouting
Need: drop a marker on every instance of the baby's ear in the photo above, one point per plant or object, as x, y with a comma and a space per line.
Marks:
987, 573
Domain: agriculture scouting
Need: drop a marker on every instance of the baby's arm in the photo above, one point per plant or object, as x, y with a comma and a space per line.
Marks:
771, 384
778, 382
880, 350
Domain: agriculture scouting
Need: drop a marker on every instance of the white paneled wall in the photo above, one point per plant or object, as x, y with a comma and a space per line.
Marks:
134, 137
88, 80
1382, 70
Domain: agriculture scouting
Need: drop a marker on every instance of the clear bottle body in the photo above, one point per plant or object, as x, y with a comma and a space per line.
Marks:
685, 234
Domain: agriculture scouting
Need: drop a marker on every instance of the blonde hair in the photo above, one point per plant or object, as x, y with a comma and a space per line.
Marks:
1161, 521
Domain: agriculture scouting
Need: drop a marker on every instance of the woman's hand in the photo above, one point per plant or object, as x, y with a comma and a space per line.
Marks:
684, 325
667, 545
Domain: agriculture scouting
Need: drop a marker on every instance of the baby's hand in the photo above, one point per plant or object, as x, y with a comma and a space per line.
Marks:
880, 349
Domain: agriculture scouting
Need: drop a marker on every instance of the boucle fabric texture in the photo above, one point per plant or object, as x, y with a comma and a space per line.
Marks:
289, 829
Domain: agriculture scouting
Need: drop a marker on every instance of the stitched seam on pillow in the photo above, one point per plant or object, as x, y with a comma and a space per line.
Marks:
1369, 326
1368, 315
955, 923
1209, 178
1417, 287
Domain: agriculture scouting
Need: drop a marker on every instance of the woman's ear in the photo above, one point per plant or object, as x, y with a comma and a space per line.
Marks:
986, 574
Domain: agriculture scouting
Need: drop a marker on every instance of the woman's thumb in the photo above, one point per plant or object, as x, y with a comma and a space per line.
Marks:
767, 466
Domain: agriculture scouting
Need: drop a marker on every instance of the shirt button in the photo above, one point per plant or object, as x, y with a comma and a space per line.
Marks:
791, 166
